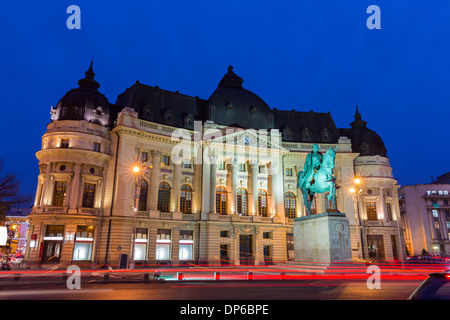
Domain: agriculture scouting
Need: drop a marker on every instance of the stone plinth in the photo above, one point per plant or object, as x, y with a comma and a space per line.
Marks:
323, 238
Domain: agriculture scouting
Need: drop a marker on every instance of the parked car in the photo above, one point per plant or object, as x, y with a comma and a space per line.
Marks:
435, 287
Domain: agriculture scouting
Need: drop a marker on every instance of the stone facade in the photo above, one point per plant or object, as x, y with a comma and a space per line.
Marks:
229, 203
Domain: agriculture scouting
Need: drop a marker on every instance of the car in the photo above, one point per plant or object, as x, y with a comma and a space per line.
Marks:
435, 287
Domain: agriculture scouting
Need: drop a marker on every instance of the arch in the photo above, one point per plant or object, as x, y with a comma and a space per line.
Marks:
186, 198
262, 202
242, 201
290, 203
143, 195
163, 197
221, 200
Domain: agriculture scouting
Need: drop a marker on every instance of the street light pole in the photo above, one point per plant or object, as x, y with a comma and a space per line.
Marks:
138, 171
355, 193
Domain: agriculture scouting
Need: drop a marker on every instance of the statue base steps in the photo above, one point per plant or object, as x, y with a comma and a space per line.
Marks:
322, 238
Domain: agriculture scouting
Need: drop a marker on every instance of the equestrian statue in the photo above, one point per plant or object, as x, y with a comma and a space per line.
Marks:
318, 177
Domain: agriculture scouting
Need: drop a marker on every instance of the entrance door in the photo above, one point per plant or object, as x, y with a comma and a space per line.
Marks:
246, 249
394, 247
224, 256
376, 247
52, 251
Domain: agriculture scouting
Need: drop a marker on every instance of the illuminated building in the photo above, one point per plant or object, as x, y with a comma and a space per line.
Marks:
425, 212
235, 207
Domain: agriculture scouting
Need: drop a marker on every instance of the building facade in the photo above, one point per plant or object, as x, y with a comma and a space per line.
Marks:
217, 182
425, 214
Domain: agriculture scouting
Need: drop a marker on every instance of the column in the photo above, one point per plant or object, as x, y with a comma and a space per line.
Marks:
254, 166
381, 214
175, 199
38, 197
75, 187
234, 184
47, 192
276, 190
154, 178
212, 184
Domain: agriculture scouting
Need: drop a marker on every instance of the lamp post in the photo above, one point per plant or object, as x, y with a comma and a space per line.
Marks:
355, 192
138, 172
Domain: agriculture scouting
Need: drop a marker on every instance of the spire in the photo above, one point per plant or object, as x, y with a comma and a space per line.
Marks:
88, 81
358, 122
231, 79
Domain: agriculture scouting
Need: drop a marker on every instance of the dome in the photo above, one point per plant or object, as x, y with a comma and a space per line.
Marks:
366, 142
232, 105
83, 103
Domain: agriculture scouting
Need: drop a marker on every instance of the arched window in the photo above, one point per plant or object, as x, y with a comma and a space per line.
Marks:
242, 198
289, 204
262, 202
186, 199
163, 197
142, 205
221, 200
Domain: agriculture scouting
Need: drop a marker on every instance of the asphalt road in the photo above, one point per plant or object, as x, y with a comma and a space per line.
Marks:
94, 289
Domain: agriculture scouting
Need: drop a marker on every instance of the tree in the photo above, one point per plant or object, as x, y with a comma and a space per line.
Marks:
10, 193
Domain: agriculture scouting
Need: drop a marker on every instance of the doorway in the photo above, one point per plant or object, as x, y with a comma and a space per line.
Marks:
52, 251
246, 249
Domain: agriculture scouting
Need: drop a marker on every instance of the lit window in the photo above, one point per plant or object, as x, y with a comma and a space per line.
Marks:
64, 143
289, 204
186, 199
163, 197
59, 193
163, 241
289, 172
221, 200
262, 203
166, 160
261, 169
371, 210
242, 202
88, 195
187, 164
242, 167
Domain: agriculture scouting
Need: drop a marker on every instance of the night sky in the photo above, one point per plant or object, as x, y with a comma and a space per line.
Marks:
303, 55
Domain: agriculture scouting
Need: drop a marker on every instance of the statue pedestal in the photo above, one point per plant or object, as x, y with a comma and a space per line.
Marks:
322, 238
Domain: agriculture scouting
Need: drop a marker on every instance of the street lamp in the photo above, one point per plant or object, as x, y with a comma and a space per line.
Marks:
355, 192
138, 171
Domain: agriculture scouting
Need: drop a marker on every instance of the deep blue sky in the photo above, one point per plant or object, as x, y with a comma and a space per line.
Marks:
304, 55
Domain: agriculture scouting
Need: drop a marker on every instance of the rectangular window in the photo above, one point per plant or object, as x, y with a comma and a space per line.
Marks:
371, 209
163, 241
64, 143
267, 235
84, 238
88, 195
186, 245
224, 233
96, 147
140, 244
59, 193
289, 172
187, 164
262, 169
144, 157
242, 167
221, 165
166, 160
388, 212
